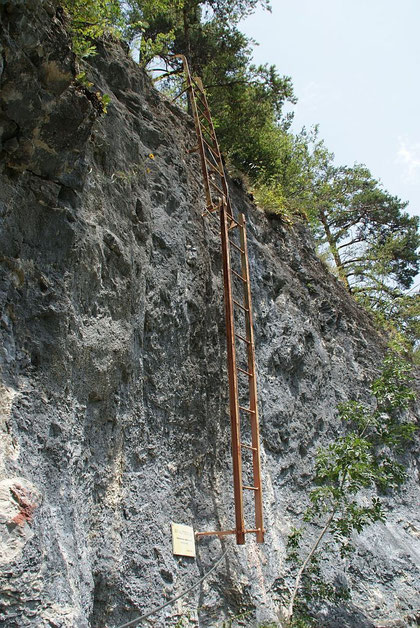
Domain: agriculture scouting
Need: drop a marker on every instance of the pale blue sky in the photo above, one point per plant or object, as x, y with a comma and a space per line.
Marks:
355, 66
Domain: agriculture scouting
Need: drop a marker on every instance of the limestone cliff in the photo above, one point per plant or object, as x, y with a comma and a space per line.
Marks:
114, 417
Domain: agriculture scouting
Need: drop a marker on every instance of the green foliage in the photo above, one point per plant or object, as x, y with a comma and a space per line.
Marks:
102, 99
350, 474
246, 100
317, 589
90, 20
271, 198
151, 48
360, 228
247, 103
291, 175
395, 311
82, 79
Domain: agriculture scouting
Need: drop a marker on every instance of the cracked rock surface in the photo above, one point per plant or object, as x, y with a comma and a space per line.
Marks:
113, 393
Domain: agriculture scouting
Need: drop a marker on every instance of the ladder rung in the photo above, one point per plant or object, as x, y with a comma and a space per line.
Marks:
240, 305
205, 129
235, 246
212, 138
201, 92
245, 446
242, 338
197, 86
213, 167
211, 214
203, 100
247, 410
216, 187
212, 209
233, 219
202, 112
213, 150
251, 488
245, 372
238, 275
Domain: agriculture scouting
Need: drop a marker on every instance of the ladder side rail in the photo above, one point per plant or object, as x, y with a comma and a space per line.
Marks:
255, 430
197, 125
200, 146
193, 84
233, 381
216, 144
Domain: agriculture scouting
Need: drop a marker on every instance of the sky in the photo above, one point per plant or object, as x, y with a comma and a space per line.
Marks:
355, 66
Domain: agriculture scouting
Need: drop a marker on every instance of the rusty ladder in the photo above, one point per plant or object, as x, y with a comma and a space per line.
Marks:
240, 346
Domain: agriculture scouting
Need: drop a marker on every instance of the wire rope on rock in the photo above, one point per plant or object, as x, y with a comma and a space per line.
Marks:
134, 622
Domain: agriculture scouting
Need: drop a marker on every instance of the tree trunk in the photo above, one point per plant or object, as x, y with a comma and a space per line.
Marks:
305, 564
188, 53
334, 250
187, 35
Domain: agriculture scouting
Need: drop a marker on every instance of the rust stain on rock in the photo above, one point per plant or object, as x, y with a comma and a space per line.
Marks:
27, 505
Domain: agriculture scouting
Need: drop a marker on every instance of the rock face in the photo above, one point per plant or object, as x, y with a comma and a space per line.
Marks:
113, 399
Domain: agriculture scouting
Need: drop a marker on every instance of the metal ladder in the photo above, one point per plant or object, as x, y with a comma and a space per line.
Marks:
238, 312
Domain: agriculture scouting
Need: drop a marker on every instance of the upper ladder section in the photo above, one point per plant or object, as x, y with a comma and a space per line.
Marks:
238, 311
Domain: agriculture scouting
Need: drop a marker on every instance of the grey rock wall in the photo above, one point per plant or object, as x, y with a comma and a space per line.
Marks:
113, 398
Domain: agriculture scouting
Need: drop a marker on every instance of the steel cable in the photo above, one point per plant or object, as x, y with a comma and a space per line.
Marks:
133, 622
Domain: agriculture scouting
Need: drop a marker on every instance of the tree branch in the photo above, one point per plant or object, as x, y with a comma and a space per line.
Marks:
359, 259
305, 564
230, 83
163, 76
341, 246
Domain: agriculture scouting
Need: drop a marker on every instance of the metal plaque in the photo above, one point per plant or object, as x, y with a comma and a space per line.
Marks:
183, 540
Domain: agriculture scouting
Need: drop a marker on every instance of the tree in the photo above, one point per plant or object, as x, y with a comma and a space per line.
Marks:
246, 100
396, 311
372, 240
365, 461
185, 21
361, 228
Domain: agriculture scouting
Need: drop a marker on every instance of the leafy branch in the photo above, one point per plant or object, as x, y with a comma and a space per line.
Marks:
90, 20
363, 461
